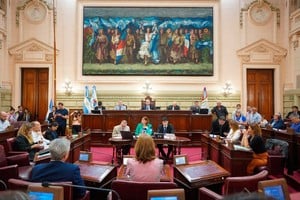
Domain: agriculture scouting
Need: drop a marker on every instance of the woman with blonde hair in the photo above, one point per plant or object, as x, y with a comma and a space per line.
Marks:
24, 141
145, 167
234, 133
252, 138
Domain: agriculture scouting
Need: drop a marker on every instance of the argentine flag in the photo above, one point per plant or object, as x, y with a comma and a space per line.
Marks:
86, 101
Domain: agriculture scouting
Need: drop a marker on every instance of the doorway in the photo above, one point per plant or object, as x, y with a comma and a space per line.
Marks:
260, 91
34, 92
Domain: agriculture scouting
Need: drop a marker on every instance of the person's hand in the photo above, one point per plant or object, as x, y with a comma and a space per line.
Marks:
245, 131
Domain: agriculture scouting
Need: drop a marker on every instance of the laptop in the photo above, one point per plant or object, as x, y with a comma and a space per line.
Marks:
126, 135
203, 111
276, 188
39, 192
159, 135
166, 194
85, 157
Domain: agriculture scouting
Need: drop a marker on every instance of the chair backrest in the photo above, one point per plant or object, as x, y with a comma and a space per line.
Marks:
3, 161
18, 184
277, 147
242, 183
10, 142
131, 190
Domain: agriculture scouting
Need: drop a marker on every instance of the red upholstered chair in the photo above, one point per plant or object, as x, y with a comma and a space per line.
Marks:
234, 185
19, 161
17, 184
131, 190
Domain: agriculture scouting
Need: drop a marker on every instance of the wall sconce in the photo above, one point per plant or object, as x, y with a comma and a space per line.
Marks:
68, 87
227, 89
147, 88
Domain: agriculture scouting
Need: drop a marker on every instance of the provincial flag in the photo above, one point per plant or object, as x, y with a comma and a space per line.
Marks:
94, 100
204, 99
121, 47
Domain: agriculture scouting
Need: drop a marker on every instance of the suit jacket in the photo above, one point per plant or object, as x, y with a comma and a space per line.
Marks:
195, 109
170, 107
217, 129
99, 107
170, 128
22, 144
58, 171
151, 107
279, 124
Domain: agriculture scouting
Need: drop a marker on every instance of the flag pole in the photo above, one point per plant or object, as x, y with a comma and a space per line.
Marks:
54, 52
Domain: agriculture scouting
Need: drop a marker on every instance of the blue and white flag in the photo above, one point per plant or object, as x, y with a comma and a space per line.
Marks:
86, 101
94, 100
49, 108
204, 99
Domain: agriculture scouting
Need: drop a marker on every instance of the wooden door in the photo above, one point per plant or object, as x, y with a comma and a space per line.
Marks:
34, 93
260, 91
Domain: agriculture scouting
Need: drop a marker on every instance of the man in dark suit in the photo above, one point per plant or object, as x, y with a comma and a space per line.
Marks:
165, 127
100, 106
196, 108
220, 127
148, 105
57, 170
174, 106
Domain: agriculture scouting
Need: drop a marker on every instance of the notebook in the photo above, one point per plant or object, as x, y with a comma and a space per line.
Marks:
127, 135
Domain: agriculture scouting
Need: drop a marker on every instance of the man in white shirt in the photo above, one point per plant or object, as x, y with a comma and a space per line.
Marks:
37, 135
117, 133
4, 123
255, 117
120, 106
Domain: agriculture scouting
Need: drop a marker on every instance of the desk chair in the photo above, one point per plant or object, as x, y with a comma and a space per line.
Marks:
132, 190
234, 185
17, 184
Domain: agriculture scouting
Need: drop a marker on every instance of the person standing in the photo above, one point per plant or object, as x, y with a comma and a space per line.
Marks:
61, 117
51, 117
117, 133
165, 127
76, 122
219, 110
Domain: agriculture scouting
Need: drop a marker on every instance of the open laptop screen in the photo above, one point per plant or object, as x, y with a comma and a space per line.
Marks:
275, 188
275, 192
164, 198
85, 156
41, 195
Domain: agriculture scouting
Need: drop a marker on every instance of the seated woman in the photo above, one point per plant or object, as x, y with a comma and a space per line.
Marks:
144, 127
145, 167
234, 133
24, 141
252, 138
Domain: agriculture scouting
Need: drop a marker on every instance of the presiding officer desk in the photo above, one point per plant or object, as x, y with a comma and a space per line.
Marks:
177, 142
185, 123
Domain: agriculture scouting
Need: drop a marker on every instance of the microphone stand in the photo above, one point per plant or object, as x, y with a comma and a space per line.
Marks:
47, 184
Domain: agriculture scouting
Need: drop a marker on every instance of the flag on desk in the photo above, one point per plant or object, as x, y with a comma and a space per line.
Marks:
94, 100
51, 104
86, 101
121, 46
204, 99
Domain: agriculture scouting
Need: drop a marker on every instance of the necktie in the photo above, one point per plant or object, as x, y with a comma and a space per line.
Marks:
173, 108
148, 108
120, 107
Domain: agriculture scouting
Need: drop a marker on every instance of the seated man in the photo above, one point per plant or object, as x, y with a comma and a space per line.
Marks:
120, 106
174, 106
57, 170
117, 133
195, 108
4, 123
148, 105
165, 127
220, 127
100, 106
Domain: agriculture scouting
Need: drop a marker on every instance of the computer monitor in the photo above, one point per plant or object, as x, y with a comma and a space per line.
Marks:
180, 160
38, 192
127, 135
276, 188
85, 156
166, 194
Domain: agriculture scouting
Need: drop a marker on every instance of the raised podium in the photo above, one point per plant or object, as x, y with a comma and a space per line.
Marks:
206, 173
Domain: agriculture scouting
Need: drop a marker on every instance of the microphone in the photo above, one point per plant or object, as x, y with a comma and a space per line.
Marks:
47, 184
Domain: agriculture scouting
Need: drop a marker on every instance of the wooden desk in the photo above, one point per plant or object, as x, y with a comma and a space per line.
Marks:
185, 123
166, 177
119, 142
7, 134
79, 144
206, 173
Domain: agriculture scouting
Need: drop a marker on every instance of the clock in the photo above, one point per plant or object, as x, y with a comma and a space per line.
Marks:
260, 14
35, 12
